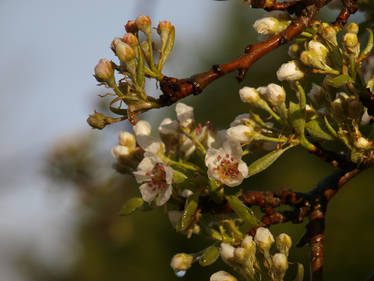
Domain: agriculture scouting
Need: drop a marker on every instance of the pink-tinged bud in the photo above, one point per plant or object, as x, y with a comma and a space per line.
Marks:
164, 26
103, 71
131, 39
124, 52
114, 43
144, 23
131, 27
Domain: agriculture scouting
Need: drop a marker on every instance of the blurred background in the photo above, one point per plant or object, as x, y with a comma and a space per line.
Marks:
59, 196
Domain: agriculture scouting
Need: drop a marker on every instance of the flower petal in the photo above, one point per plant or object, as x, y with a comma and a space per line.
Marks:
148, 193
164, 196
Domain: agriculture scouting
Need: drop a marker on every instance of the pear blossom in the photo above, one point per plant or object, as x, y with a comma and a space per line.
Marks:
142, 128
222, 276
120, 152
289, 71
155, 178
225, 164
181, 262
241, 119
263, 238
270, 26
249, 95
127, 139
241, 133
227, 252
168, 127
185, 114
275, 94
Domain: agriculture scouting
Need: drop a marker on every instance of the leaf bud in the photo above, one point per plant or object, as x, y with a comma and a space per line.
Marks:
181, 262
280, 265
104, 71
131, 27
142, 128
290, 72
124, 52
284, 243
222, 276
131, 39
144, 24
264, 239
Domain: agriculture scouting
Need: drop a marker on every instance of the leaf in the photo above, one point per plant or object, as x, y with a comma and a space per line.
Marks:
264, 162
296, 118
339, 81
210, 255
188, 215
131, 206
300, 272
318, 130
369, 45
245, 213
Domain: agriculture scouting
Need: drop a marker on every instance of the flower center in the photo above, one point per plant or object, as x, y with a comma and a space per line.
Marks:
158, 177
227, 167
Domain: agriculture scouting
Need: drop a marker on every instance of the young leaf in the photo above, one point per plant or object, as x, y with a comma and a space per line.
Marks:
318, 130
210, 255
131, 206
300, 272
242, 211
339, 81
190, 208
296, 118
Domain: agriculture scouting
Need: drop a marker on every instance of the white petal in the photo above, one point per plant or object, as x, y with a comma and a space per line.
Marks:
142, 128
243, 169
185, 114
164, 196
150, 144
127, 139
168, 127
148, 193
145, 166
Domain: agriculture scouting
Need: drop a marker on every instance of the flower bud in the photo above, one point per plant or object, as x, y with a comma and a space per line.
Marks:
124, 52
186, 193
280, 265
241, 133
127, 139
120, 152
144, 24
114, 43
181, 262
185, 115
290, 72
241, 255
284, 243
294, 51
312, 59
264, 239
317, 95
131, 27
362, 143
350, 40
222, 276
318, 48
267, 26
249, 95
352, 28
104, 71
227, 252
275, 94
142, 128
131, 39
328, 33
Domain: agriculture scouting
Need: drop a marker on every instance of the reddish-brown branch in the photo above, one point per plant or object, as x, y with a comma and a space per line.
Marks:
350, 7
274, 5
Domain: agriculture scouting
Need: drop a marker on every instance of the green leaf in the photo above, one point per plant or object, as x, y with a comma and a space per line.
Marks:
210, 255
188, 215
300, 272
264, 162
178, 177
369, 45
131, 206
245, 213
296, 118
317, 129
339, 81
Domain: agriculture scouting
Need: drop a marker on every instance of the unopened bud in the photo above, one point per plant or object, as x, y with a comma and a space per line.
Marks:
317, 95
227, 252
313, 59
241, 133
294, 51
222, 276
181, 262
249, 95
120, 152
241, 255
350, 40
114, 43
104, 71
269, 26
144, 24
290, 72
142, 128
362, 143
352, 28
275, 94
127, 139
318, 48
280, 265
328, 33
131, 27
131, 39
284, 243
124, 52
264, 239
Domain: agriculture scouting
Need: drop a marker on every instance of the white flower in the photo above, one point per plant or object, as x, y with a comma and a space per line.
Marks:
142, 128
151, 144
127, 139
249, 95
227, 252
289, 71
316, 95
181, 262
275, 94
155, 178
267, 26
120, 151
263, 238
225, 164
185, 114
318, 48
241, 119
168, 127
284, 243
241, 133
187, 146
222, 276
280, 264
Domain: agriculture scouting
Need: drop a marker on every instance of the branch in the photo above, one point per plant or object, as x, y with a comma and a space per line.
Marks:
350, 7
